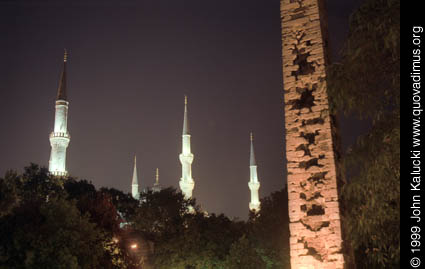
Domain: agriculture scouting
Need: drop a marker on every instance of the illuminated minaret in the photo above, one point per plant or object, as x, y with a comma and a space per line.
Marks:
59, 138
253, 183
135, 182
186, 158
156, 187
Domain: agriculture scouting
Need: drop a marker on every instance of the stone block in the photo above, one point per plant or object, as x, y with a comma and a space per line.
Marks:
322, 231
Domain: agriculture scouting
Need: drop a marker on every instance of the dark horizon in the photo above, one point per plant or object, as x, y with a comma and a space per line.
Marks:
129, 66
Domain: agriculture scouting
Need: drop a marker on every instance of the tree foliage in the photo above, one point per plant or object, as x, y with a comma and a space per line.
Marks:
51, 222
244, 254
183, 236
8, 194
45, 226
50, 234
269, 230
161, 214
366, 83
367, 80
123, 202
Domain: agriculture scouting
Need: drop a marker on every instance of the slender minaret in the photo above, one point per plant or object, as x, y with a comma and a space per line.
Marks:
253, 183
186, 158
156, 187
135, 182
59, 138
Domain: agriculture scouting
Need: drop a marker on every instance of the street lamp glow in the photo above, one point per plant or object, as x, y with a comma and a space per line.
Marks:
133, 246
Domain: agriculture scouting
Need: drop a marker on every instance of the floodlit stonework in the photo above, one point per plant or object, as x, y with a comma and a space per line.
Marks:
253, 184
315, 227
59, 138
186, 158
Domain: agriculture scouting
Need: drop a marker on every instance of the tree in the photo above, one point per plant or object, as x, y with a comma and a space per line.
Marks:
160, 219
123, 202
183, 236
160, 214
358, 84
202, 243
100, 208
52, 222
366, 83
9, 198
269, 230
98, 205
243, 254
37, 184
34, 185
49, 235
79, 188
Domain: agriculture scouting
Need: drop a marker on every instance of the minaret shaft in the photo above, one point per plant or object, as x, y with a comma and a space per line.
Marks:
156, 186
61, 117
253, 184
59, 138
186, 158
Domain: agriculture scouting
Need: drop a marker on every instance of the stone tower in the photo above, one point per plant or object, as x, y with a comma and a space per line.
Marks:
315, 228
135, 182
253, 183
59, 138
186, 158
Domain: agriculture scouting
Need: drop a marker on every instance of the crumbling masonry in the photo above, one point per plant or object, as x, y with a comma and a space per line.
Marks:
315, 226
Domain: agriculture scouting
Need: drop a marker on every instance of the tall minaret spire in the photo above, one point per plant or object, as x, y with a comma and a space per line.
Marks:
253, 183
59, 138
135, 182
186, 158
185, 120
62, 83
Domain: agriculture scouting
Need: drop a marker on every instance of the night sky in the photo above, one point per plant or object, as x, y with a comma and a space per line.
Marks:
130, 64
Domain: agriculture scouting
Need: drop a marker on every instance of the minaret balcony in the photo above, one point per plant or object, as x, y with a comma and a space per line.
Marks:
186, 158
60, 134
254, 185
59, 173
62, 103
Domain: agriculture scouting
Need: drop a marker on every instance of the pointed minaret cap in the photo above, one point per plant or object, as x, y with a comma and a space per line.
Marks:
252, 156
62, 83
185, 120
135, 180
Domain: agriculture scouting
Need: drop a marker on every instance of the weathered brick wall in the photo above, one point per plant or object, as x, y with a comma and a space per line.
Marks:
315, 227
